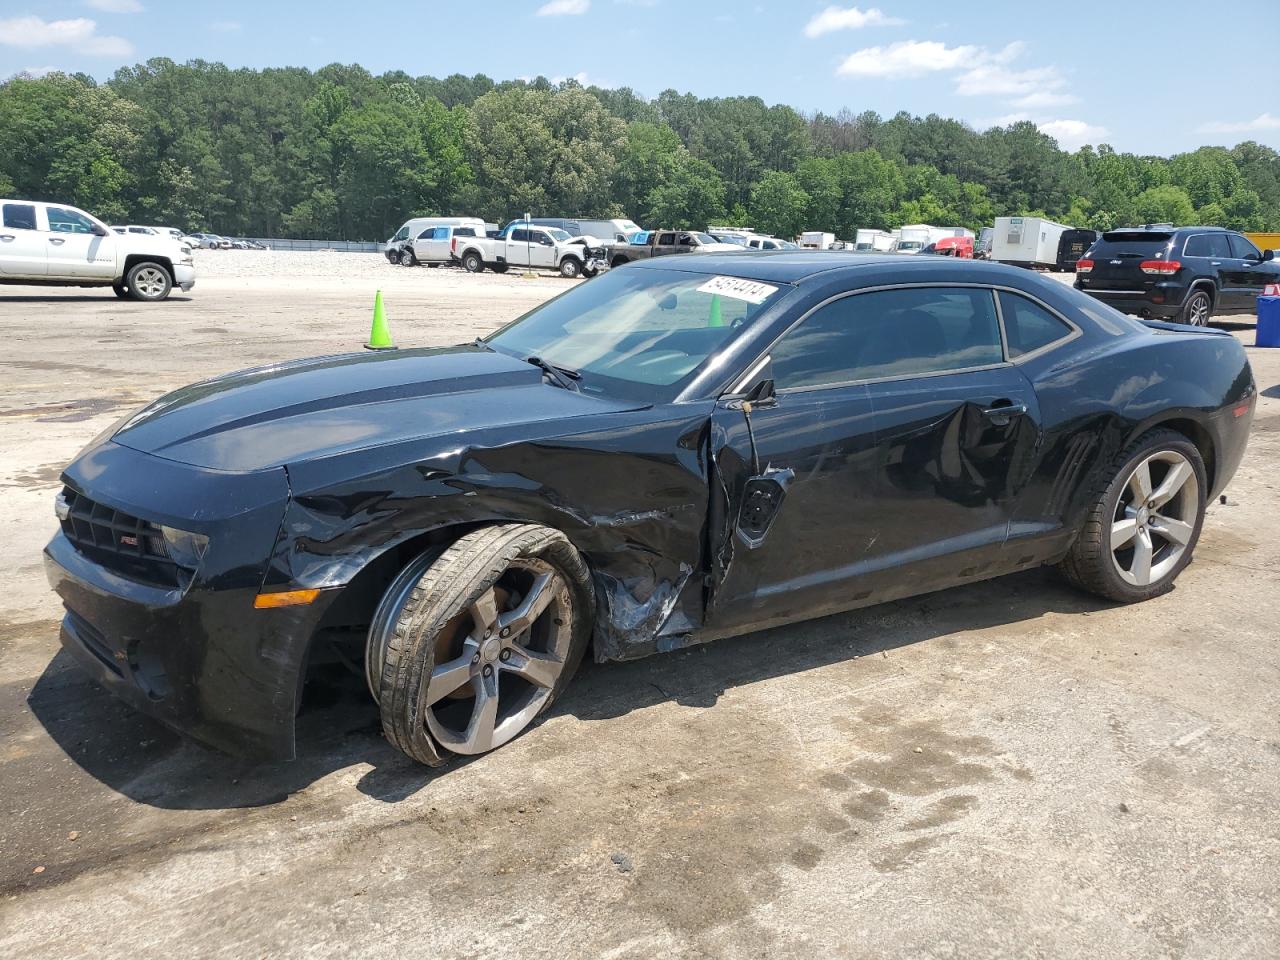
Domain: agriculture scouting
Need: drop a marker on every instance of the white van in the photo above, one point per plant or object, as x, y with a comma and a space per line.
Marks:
401, 242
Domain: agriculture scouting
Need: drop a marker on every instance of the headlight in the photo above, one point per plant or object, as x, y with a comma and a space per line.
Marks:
183, 548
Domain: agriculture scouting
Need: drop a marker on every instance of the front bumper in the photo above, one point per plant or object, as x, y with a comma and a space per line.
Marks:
184, 276
198, 657
205, 663
596, 265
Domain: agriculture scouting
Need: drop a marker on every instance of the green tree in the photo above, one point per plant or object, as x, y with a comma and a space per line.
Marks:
1167, 204
779, 204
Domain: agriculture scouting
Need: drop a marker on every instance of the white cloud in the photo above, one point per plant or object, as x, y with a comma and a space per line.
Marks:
80, 34
1263, 121
1072, 134
837, 18
116, 6
1045, 98
564, 8
909, 58
226, 26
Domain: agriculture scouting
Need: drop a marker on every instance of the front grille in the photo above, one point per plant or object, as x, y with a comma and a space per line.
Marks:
125, 544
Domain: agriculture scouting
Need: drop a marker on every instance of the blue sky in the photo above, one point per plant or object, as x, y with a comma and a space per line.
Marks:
1150, 78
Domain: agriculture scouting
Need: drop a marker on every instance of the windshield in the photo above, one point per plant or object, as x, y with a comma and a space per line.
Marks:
557, 234
909, 245
638, 333
705, 238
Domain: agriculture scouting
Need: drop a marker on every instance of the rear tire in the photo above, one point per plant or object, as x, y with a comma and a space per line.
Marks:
1140, 532
472, 263
1198, 310
500, 268
148, 281
472, 646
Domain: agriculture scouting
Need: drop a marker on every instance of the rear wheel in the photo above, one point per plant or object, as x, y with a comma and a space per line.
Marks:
472, 263
1198, 309
500, 268
466, 649
148, 281
1141, 531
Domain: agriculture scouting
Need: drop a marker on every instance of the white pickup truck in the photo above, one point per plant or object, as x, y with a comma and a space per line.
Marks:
49, 244
531, 246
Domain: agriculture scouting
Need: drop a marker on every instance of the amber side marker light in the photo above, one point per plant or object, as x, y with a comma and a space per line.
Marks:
289, 598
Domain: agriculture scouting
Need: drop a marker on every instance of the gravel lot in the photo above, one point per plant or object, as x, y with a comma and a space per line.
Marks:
1008, 769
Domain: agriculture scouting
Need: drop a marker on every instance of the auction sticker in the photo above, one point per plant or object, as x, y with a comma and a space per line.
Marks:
752, 291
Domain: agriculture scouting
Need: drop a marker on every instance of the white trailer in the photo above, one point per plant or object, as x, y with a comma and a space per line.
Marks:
817, 240
868, 240
1027, 241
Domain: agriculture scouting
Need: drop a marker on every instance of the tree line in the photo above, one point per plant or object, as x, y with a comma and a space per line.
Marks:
339, 153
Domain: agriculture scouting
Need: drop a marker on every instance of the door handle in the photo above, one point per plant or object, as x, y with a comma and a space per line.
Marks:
6, 236
1215, 263
1001, 414
58, 240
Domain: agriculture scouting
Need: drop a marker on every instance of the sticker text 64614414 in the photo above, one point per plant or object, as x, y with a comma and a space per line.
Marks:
752, 291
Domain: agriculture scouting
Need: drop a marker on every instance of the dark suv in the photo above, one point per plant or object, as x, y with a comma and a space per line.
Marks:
1185, 274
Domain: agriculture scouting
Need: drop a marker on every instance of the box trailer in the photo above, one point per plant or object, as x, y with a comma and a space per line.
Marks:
1027, 242
868, 240
817, 240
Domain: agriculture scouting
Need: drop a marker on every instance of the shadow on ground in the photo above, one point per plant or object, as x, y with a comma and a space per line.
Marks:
339, 725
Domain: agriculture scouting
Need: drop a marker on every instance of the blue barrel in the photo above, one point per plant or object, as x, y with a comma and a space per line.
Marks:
1268, 322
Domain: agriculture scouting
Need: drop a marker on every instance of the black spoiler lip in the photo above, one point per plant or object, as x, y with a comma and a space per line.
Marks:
1167, 327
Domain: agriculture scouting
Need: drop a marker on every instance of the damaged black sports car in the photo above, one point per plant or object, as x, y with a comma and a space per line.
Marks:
670, 454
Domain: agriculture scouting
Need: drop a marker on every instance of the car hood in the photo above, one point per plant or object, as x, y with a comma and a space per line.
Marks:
274, 416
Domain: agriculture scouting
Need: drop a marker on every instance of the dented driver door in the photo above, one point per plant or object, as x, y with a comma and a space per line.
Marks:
889, 465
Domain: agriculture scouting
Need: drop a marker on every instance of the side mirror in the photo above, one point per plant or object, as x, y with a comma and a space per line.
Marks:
1268, 255
762, 394
99, 231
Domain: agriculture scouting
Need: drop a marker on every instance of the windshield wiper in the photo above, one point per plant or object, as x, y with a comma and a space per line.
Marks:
563, 376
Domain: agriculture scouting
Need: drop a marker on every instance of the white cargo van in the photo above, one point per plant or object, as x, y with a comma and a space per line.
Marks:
399, 248
1027, 241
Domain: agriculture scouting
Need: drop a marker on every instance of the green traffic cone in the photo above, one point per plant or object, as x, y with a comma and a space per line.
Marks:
715, 318
380, 335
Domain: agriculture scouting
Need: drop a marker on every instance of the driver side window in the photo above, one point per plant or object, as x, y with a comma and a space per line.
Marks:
68, 221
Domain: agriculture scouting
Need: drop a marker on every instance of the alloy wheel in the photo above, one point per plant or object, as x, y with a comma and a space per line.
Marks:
150, 282
1155, 518
1198, 312
498, 663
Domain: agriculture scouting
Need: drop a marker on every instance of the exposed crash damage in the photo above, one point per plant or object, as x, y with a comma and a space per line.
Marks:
662, 457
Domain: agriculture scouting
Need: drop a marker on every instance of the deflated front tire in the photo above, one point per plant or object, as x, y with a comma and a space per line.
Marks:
469, 647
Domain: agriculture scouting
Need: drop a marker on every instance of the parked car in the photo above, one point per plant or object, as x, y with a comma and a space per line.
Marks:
1187, 274
52, 244
533, 247
660, 243
204, 241
434, 245
606, 231
677, 452
414, 228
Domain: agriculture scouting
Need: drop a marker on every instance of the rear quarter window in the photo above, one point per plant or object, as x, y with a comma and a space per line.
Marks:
1028, 326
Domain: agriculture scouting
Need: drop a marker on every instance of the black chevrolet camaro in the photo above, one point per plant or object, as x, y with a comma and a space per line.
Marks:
679, 451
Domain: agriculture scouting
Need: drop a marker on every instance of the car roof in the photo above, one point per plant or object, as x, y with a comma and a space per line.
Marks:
795, 266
